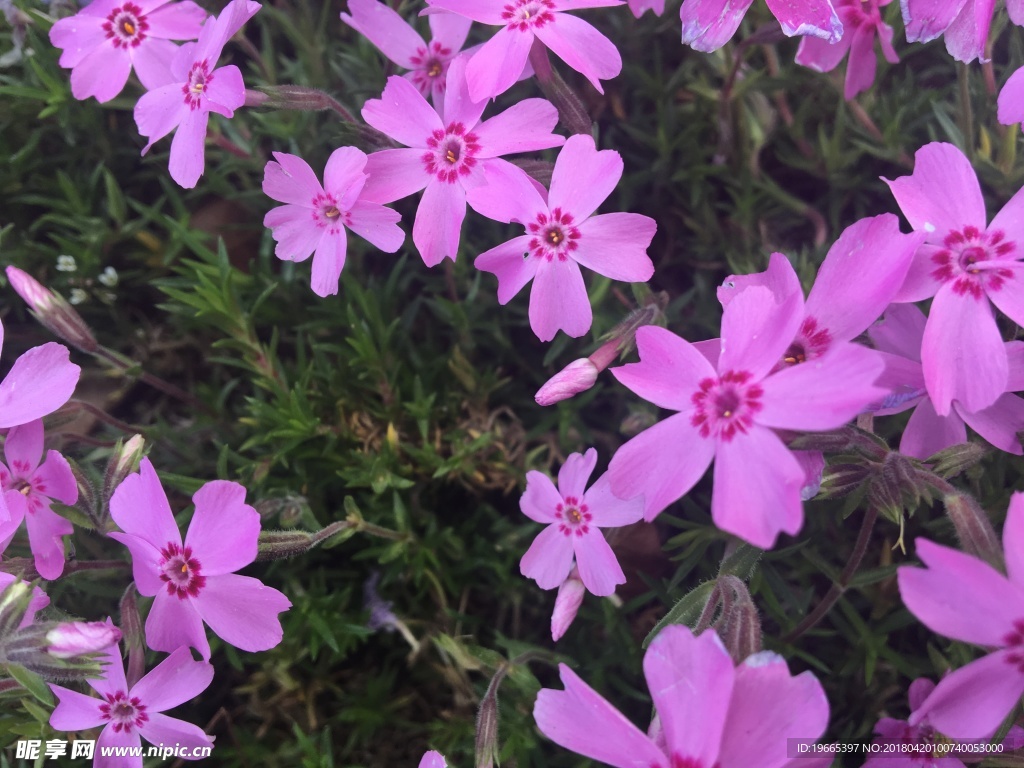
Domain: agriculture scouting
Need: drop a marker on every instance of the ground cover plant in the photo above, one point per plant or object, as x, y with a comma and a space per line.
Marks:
519, 382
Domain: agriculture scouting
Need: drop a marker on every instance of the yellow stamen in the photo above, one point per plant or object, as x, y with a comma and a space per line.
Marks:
574, 514
198, 87
554, 237
184, 567
450, 156
435, 69
727, 414
128, 27
332, 212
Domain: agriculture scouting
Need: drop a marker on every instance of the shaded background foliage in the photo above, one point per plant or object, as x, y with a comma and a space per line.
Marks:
406, 402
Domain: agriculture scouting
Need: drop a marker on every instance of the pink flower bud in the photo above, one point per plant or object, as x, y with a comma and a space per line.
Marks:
74, 638
578, 376
52, 311
567, 603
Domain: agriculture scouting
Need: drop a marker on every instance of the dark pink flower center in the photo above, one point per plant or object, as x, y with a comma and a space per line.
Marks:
30, 486
1014, 642
126, 26
553, 235
974, 261
524, 15
451, 153
430, 66
573, 516
180, 571
858, 13
199, 79
124, 713
726, 405
810, 342
327, 215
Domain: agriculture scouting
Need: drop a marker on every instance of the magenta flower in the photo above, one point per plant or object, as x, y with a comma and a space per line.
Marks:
966, 599
496, 66
965, 265
103, 41
709, 24
862, 22
129, 714
711, 712
638, 7
448, 156
574, 516
315, 217
1011, 98
433, 759
39, 382
562, 234
195, 90
196, 581
29, 488
965, 23
403, 45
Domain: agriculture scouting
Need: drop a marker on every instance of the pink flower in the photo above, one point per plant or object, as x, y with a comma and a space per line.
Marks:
862, 21
501, 60
578, 376
899, 337
433, 759
965, 23
965, 265
448, 156
1011, 98
766, 377
315, 217
561, 234
39, 382
638, 7
130, 714
574, 516
403, 45
966, 599
711, 712
29, 489
104, 40
195, 90
196, 581
709, 24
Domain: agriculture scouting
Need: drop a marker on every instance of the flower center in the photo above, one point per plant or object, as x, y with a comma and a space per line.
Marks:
199, 79
573, 516
327, 215
126, 26
451, 153
726, 405
554, 236
811, 342
974, 261
523, 15
1014, 642
430, 67
124, 713
180, 571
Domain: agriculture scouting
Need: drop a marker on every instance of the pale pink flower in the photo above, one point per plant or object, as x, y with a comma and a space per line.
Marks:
195, 581
107, 38
562, 234
710, 24
638, 7
39, 382
575, 516
29, 489
567, 604
1011, 99
315, 217
196, 88
965, 23
74, 638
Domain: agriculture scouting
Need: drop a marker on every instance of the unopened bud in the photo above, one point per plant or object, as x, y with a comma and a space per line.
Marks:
973, 528
567, 604
274, 545
76, 638
813, 465
739, 626
53, 311
123, 462
957, 458
842, 479
14, 605
487, 723
578, 376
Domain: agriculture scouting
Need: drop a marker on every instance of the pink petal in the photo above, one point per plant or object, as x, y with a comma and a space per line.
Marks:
449, 29
377, 225
225, 91
904, 382
139, 507
526, 126
175, 680
885, 33
999, 423
559, 300
484, 11
295, 231
900, 331
498, 63
1011, 98
768, 705
691, 682
188, 149
757, 488
1015, 8
1015, 359
583, 177
152, 63
159, 112
508, 194
960, 596
919, 690
860, 275
77, 37
709, 24
1013, 539
582, 47
145, 562
669, 371
110, 741
163, 730
103, 74
927, 433
860, 71
433, 759
438, 222
290, 180
1010, 221
967, 35
328, 261
609, 510
972, 701
45, 531
343, 176
962, 353
511, 264
403, 114
943, 192
599, 569
459, 106
920, 282
663, 462
549, 558
575, 472
75, 711
807, 17
579, 720
385, 29
821, 55
579, 5
173, 623
176, 21
780, 278
217, 31
224, 529
540, 499
615, 245
242, 611
1009, 296
757, 330
927, 19
39, 382
24, 447
393, 174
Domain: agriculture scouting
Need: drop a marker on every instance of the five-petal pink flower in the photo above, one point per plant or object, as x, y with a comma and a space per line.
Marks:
195, 580
314, 217
107, 38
